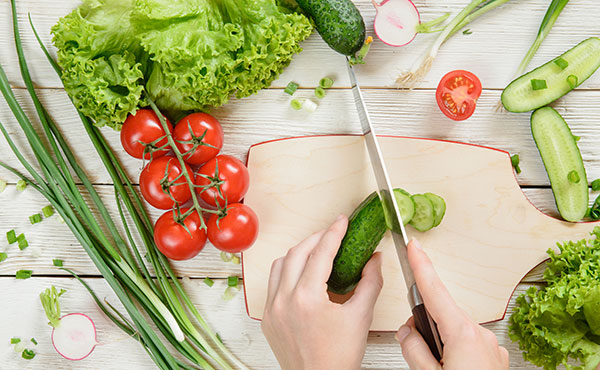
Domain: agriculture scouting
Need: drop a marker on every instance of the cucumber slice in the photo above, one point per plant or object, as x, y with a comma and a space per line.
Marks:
439, 207
406, 206
424, 218
581, 61
561, 157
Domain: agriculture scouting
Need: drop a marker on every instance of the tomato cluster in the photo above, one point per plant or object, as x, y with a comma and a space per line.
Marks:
220, 181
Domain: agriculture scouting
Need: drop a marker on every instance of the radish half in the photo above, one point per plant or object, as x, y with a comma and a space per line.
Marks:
396, 22
74, 338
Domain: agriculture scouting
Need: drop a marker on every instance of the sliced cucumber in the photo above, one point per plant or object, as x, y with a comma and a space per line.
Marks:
581, 62
439, 207
424, 218
406, 206
561, 157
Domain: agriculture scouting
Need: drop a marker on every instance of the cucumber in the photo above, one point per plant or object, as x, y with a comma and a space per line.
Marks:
561, 157
406, 206
581, 61
439, 207
338, 22
424, 218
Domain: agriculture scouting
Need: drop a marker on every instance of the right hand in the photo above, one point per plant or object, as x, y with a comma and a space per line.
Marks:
466, 344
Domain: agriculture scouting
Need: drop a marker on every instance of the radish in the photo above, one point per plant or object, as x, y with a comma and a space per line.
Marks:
73, 335
398, 21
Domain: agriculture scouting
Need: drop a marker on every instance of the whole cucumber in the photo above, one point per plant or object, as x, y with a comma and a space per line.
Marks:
338, 22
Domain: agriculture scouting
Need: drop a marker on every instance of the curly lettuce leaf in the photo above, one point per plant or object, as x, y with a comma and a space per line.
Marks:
559, 324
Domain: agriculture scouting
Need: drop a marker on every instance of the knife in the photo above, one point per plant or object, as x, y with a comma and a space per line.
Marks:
423, 321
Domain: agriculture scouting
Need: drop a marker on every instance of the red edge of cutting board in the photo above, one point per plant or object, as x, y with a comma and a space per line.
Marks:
402, 137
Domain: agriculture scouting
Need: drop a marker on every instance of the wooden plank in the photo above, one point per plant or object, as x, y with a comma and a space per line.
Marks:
241, 334
401, 113
493, 51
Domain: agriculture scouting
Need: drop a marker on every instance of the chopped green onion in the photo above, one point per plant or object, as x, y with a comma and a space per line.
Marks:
28, 354
233, 281
3, 256
15, 340
291, 88
229, 293
23, 274
226, 257
514, 160
325, 82
19, 347
309, 105
467, 32
11, 236
235, 260
23, 243
596, 185
3, 184
572, 80
320, 92
208, 281
295, 103
51, 304
48, 211
561, 63
34, 219
573, 177
538, 84
577, 138
34, 341
57, 262
21, 185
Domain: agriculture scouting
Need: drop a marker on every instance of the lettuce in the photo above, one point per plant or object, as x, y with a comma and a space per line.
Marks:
560, 323
185, 54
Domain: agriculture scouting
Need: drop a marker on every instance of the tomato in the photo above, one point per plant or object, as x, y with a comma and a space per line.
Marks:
140, 130
207, 138
174, 241
232, 177
235, 232
154, 186
457, 94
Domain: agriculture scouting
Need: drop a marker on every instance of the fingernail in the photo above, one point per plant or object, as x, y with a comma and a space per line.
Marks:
416, 243
402, 333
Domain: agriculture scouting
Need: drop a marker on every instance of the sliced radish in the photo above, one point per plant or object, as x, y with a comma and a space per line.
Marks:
74, 338
396, 22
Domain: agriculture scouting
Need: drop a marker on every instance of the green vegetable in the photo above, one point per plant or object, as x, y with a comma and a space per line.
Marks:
34, 341
467, 32
514, 160
21, 185
51, 304
113, 51
538, 84
596, 185
28, 354
291, 88
424, 218
561, 158
325, 82
558, 324
338, 22
359, 57
233, 281
208, 281
229, 293
439, 207
561, 63
34, 219
15, 340
319, 92
11, 236
48, 211
296, 104
594, 211
23, 243
23, 274
226, 256
235, 260
3, 256
584, 60
406, 205
3, 185
57, 262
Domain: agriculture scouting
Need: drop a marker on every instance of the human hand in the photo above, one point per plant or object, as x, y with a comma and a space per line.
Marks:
303, 327
466, 344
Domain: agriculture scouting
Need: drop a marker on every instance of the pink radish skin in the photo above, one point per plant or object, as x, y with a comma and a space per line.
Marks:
389, 24
75, 336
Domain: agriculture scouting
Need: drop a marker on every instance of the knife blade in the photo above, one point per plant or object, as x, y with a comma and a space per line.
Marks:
423, 321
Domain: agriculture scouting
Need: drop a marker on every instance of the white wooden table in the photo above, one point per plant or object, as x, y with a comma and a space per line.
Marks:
492, 51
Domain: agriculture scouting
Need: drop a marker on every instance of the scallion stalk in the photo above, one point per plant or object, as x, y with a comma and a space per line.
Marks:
11, 236
3, 256
23, 274
291, 88
21, 185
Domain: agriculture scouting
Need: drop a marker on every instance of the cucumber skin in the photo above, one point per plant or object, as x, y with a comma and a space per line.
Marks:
366, 228
506, 101
563, 195
339, 23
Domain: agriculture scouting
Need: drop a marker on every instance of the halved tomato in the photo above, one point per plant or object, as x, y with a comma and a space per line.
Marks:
457, 94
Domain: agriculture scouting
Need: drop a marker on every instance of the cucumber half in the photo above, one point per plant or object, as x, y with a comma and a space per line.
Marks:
581, 62
424, 217
561, 156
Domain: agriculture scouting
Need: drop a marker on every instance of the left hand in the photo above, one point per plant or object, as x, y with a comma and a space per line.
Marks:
303, 327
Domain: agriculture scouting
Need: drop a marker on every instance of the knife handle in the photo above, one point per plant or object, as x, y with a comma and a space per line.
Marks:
425, 324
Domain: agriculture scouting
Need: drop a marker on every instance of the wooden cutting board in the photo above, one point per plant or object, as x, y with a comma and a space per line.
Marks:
490, 238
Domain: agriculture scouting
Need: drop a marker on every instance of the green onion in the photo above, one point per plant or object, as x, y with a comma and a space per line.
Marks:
3, 185
573, 177
21, 185
325, 82
3, 256
34, 341
467, 32
15, 340
233, 281
320, 92
309, 105
538, 84
28, 354
291, 88
573, 81
596, 185
11, 236
23, 274
34, 219
57, 262
48, 211
576, 138
229, 293
235, 260
208, 281
51, 304
296, 104
226, 257
514, 160
23, 243
561, 63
